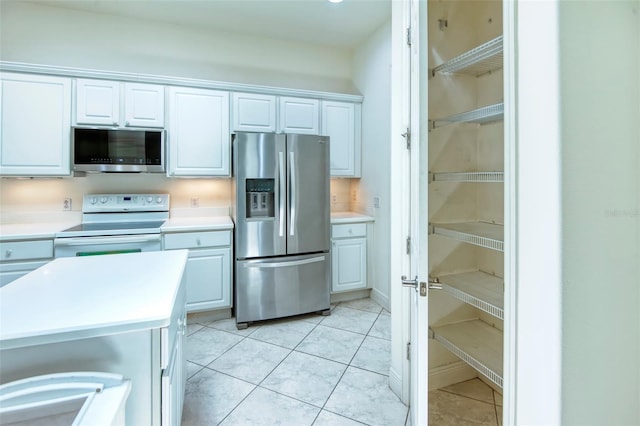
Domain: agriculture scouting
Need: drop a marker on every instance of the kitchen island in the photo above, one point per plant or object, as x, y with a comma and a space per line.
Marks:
122, 313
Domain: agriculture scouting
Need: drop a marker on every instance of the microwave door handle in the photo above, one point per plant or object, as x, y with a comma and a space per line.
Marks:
281, 192
293, 195
83, 241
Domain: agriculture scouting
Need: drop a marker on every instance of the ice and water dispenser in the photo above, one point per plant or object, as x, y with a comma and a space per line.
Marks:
260, 198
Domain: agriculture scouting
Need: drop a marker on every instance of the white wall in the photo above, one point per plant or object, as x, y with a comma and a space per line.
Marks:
50, 35
600, 110
372, 77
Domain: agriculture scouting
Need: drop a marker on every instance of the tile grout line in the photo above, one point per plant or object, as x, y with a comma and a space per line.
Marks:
348, 365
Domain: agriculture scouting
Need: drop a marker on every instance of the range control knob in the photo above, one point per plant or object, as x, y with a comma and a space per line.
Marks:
94, 200
104, 200
159, 200
149, 199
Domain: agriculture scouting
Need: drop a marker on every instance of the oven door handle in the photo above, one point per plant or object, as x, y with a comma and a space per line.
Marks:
83, 241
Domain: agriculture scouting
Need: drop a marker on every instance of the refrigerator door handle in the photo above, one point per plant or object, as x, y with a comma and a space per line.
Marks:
281, 194
293, 194
285, 264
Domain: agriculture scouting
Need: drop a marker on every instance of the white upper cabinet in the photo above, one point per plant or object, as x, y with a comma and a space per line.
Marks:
198, 132
341, 121
35, 118
253, 113
111, 103
98, 102
144, 105
299, 115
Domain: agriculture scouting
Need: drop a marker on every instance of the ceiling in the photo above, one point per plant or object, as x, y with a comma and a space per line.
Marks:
344, 25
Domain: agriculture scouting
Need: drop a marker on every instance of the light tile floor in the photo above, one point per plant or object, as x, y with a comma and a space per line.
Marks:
467, 403
313, 370
306, 370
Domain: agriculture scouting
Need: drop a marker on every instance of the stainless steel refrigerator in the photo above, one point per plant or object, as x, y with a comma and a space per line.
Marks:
281, 215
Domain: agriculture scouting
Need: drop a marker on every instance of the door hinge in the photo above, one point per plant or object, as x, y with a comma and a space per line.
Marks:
409, 36
408, 245
408, 350
407, 136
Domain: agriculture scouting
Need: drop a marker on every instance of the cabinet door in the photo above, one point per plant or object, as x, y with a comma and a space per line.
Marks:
35, 120
299, 115
253, 113
97, 102
341, 122
349, 268
209, 279
144, 105
174, 381
198, 132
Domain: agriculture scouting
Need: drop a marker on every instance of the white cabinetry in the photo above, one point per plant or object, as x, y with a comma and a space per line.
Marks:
341, 121
208, 268
198, 132
112, 103
35, 115
253, 113
18, 258
299, 115
174, 378
349, 257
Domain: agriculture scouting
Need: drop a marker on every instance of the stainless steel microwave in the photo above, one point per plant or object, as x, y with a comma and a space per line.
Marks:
117, 150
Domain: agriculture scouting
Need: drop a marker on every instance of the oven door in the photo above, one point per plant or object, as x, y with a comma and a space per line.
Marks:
92, 246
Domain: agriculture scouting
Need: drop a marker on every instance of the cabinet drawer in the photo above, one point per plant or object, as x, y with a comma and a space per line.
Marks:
22, 250
349, 230
187, 240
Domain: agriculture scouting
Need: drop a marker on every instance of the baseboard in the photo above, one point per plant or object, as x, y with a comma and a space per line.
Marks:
450, 374
208, 316
350, 295
380, 298
395, 383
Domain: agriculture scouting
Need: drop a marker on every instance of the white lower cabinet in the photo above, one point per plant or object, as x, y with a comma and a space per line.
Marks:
349, 257
208, 271
18, 258
174, 378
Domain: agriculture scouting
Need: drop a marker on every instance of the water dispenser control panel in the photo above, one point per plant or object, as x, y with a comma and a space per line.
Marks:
260, 197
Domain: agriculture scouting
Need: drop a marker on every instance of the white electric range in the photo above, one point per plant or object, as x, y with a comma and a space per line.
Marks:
115, 223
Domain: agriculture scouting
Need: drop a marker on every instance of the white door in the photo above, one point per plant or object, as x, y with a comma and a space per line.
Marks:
416, 186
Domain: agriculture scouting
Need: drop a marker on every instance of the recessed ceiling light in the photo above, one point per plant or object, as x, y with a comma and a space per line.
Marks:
335, 1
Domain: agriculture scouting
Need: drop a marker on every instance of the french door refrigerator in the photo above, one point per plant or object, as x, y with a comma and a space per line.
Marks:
282, 230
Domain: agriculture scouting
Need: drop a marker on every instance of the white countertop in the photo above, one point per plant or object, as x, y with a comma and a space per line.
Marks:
200, 223
82, 297
32, 231
350, 217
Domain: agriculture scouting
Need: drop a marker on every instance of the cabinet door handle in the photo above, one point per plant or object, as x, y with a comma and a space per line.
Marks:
8, 253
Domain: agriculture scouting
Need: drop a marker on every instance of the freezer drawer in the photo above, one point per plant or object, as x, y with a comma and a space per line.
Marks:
281, 286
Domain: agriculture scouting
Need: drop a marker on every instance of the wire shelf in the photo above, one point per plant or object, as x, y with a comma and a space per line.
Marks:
479, 289
476, 343
480, 60
468, 177
483, 234
484, 115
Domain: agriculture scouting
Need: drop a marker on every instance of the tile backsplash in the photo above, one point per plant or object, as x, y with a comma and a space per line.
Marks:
46, 196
